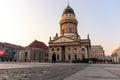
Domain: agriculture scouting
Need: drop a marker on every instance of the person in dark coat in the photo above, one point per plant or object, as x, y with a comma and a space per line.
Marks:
54, 58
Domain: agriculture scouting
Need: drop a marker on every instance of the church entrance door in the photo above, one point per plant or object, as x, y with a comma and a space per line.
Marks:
63, 53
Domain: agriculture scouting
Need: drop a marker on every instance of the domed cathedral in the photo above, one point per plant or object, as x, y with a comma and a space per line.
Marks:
68, 23
69, 46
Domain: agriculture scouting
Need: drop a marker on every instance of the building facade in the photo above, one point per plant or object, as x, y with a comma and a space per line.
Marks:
36, 52
32, 55
97, 52
9, 52
68, 45
116, 55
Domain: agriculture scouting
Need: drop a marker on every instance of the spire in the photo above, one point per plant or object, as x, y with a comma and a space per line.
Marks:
50, 38
88, 36
56, 34
68, 2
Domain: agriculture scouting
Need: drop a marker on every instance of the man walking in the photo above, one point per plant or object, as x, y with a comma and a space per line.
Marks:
54, 58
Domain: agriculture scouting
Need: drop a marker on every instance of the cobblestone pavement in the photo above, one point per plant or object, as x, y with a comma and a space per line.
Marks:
38, 71
59, 71
97, 72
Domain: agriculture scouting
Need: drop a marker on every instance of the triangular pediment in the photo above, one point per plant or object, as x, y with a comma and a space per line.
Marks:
63, 39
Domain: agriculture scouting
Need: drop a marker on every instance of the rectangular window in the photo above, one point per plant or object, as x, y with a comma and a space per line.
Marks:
58, 57
83, 49
34, 56
75, 48
52, 49
75, 57
64, 57
58, 49
69, 57
25, 54
69, 49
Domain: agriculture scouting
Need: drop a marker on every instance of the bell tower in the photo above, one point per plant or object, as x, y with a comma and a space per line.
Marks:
68, 23
69, 46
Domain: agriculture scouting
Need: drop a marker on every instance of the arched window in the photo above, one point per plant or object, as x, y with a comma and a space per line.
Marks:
52, 49
83, 49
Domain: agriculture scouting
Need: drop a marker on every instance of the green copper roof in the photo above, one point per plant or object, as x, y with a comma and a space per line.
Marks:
68, 10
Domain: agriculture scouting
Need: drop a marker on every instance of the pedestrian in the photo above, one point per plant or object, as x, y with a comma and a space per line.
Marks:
54, 58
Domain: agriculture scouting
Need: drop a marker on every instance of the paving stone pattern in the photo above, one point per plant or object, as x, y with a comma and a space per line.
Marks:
55, 72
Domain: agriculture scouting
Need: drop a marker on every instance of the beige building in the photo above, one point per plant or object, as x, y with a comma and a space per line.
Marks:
36, 52
97, 52
32, 55
116, 55
68, 46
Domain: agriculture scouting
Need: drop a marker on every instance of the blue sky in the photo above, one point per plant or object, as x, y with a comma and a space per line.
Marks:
23, 21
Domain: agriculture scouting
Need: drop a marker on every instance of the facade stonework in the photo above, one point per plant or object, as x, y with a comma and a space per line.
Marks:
36, 52
24, 55
116, 55
32, 55
97, 52
9, 52
69, 46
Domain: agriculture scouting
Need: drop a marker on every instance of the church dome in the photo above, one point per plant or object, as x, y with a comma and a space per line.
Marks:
116, 51
68, 10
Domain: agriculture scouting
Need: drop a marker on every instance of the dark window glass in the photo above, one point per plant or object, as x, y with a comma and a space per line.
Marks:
69, 49
83, 49
64, 56
52, 49
25, 54
58, 57
75, 57
69, 57
34, 56
75, 48
58, 49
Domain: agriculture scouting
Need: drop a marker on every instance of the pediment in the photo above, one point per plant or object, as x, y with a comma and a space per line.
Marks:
63, 39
